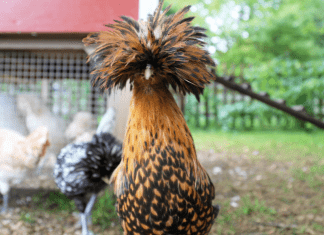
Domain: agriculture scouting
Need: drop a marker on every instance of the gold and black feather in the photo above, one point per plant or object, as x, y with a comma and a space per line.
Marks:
160, 185
169, 43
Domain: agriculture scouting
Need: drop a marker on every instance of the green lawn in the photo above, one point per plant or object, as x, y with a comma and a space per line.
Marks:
282, 194
273, 145
286, 199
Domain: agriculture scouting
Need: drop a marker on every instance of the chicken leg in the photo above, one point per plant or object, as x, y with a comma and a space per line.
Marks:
86, 214
4, 190
5, 203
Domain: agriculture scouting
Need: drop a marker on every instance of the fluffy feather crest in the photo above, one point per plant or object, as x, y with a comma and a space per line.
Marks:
170, 44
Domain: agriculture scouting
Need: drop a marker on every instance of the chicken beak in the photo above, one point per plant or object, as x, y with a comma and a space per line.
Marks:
148, 71
106, 180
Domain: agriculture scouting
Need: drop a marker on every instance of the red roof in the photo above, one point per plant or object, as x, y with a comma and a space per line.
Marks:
57, 16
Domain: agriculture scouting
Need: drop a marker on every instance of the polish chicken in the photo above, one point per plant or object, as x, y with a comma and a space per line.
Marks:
160, 185
18, 154
83, 169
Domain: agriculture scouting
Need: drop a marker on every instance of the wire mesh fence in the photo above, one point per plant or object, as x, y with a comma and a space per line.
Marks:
60, 78
220, 106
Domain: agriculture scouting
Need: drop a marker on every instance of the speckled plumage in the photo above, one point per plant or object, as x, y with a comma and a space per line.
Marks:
160, 185
80, 167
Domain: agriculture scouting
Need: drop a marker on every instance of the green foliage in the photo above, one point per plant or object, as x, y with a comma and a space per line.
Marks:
53, 201
242, 115
104, 212
245, 115
287, 28
298, 83
27, 217
280, 44
284, 50
318, 227
195, 113
312, 176
257, 206
225, 217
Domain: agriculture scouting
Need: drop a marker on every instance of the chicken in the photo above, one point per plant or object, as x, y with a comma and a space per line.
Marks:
160, 185
18, 154
37, 114
84, 168
82, 128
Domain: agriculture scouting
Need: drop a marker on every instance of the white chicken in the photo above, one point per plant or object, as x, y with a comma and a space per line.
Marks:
37, 114
82, 128
18, 154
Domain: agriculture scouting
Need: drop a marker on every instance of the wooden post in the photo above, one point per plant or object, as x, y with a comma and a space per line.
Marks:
233, 80
207, 111
197, 114
182, 103
224, 95
225, 88
93, 100
241, 79
51, 94
45, 90
215, 103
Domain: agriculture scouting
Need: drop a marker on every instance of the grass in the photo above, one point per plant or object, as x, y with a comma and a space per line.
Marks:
249, 206
286, 197
104, 212
27, 217
297, 147
314, 176
53, 202
281, 203
318, 227
275, 145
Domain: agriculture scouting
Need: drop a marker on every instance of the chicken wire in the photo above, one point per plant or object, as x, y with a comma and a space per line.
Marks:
60, 78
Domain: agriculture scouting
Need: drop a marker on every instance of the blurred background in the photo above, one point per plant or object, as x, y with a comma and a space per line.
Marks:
258, 128
274, 46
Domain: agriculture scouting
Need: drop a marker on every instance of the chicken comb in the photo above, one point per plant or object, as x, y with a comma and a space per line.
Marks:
170, 44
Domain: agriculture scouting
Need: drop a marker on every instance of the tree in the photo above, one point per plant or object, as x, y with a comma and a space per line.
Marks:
280, 43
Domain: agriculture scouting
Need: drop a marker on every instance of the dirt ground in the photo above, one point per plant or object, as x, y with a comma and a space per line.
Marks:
290, 206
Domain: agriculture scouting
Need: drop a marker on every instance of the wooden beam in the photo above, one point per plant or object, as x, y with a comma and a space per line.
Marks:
298, 113
38, 44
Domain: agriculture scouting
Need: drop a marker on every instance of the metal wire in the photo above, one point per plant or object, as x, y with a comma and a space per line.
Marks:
60, 78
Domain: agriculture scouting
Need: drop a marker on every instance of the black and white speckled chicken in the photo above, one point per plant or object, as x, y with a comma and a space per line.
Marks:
82, 168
